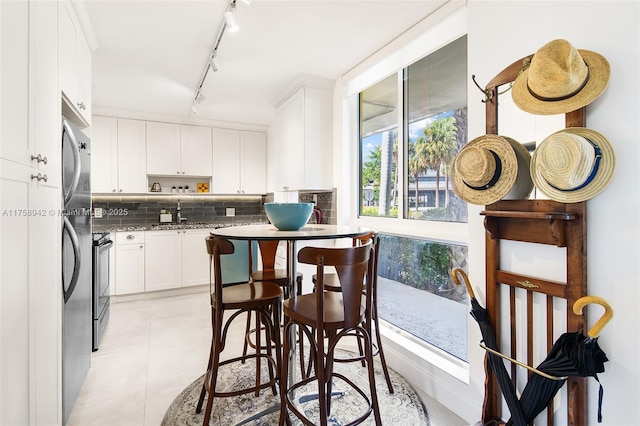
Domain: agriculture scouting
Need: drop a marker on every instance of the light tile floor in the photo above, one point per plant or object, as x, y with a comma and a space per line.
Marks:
151, 350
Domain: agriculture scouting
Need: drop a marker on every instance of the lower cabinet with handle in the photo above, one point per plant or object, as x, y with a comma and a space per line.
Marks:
129, 262
170, 259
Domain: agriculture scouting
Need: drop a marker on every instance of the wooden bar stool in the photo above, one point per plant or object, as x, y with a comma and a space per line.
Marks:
262, 298
332, 283
269, 272
334, 315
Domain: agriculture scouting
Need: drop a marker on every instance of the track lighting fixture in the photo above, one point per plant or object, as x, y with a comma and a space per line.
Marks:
230, 19
228, 24
213, 64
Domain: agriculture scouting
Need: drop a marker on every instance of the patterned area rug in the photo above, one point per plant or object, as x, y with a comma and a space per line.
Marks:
402, 408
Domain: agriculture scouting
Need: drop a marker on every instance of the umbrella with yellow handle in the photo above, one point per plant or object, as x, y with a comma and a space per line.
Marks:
572, 355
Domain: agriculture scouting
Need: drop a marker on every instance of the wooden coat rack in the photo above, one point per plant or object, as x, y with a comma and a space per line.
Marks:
533, 221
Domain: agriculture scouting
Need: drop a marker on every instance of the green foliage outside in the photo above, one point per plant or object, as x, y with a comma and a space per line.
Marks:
421, 264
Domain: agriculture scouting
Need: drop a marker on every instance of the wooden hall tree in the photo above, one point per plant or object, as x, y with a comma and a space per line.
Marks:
543, 222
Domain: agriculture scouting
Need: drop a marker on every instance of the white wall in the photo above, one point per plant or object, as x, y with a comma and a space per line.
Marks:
500, 32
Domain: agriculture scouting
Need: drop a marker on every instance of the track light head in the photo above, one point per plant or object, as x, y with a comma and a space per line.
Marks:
230, 20
200, 98
194, 110
213, 64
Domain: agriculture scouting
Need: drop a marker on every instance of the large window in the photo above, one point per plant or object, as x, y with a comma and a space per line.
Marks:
433, 114
412, 124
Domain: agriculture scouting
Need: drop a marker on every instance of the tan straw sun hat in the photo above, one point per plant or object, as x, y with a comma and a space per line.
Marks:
490, 168
573, 165
560, 79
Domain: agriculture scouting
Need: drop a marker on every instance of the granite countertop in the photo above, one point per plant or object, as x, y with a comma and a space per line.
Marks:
167, 226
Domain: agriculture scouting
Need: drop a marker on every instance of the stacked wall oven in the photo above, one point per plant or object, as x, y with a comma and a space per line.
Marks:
76, 264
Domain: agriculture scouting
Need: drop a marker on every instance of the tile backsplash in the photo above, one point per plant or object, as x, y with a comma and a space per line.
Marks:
141, 210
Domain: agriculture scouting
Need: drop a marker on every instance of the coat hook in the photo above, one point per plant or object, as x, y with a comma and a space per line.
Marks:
488, 94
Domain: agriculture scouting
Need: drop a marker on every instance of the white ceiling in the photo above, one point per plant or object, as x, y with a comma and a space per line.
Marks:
151, 54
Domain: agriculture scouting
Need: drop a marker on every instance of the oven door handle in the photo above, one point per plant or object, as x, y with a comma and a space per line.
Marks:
106, 245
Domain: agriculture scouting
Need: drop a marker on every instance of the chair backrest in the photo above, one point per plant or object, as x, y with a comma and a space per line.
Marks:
352, 266
217, 247
364, 239
268, 249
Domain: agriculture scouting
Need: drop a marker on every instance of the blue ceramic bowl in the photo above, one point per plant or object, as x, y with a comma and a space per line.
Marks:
288, 216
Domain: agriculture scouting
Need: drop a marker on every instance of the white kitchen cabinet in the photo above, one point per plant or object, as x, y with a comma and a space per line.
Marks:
302, 133
130, 262
131, 156
195, 259
162, 260
118, 155
74, 65
30, 270
239, 162
174, 149
104, 154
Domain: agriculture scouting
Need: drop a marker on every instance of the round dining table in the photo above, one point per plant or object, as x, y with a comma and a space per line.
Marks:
307, 232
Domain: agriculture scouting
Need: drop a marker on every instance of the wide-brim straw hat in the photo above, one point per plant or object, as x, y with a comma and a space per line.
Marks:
573, 165
490, 168
560, 79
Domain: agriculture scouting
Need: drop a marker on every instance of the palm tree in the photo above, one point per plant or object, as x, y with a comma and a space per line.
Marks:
440, 147
418, 162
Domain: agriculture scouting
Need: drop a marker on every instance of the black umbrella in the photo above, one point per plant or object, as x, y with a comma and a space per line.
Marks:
481, 315
572, 355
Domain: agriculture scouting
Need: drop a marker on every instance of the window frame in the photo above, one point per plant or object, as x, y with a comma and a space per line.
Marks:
446, 31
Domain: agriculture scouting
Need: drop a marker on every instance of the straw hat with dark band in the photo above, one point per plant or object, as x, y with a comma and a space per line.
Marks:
490, 168
560, 79
573, 165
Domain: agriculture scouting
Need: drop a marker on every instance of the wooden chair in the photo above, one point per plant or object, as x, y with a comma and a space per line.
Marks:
335, 315
269, 272
262, 298
332, 283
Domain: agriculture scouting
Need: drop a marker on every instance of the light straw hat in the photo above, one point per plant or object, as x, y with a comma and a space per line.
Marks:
490, 168
560, 79
573, 165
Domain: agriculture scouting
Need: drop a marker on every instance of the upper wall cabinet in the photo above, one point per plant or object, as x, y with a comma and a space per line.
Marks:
303, 137
74, 64
239, 162
174, 149
118, 155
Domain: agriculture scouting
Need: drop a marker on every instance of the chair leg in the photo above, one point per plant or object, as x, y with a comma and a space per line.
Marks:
203, 392
385, 370
247, 330
212, 383
284, 376
258, 333
372, 380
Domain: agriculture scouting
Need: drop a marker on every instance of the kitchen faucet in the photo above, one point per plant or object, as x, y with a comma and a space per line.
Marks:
179, 218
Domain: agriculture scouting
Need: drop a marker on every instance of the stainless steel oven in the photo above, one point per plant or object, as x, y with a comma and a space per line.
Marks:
101, 249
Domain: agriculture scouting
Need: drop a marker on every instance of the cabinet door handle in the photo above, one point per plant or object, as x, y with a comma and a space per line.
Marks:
40, 158
120, 189
113, 190
81, 106
39, 177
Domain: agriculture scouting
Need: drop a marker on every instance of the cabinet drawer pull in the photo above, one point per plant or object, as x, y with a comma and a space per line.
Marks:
40, 158
39, 177
130, 237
